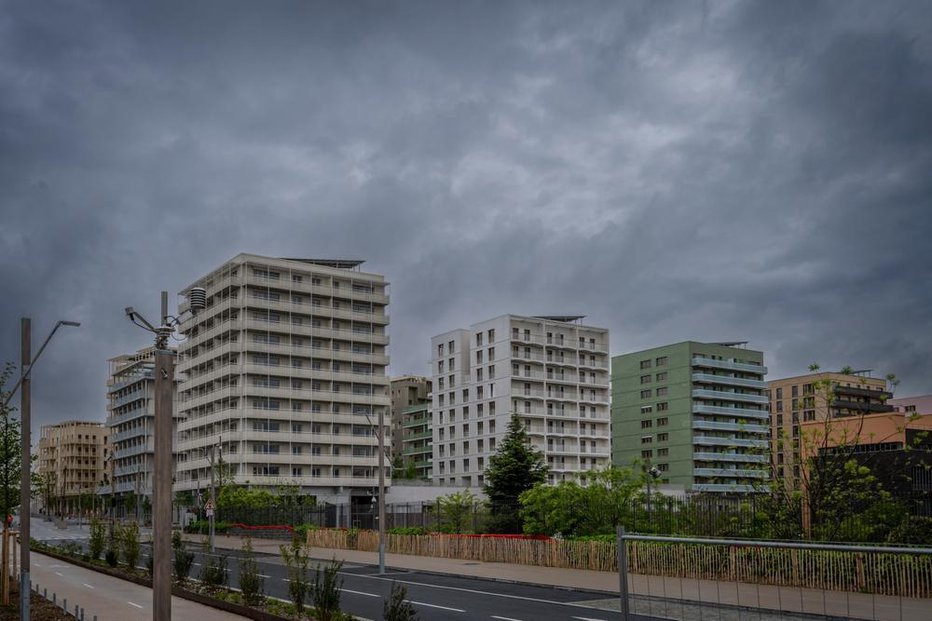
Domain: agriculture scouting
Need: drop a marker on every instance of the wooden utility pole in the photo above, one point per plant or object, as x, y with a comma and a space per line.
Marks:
162, 481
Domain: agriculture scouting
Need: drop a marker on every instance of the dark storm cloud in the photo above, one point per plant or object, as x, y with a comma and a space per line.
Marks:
747, 170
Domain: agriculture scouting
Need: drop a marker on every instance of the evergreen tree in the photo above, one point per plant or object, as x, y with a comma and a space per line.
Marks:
515, 468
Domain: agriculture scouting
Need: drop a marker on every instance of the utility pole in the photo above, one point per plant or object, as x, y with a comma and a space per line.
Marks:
25, 405
162, 466
162, 485
381, 491
212, 508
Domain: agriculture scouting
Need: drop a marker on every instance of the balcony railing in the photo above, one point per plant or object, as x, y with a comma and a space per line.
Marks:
700, 361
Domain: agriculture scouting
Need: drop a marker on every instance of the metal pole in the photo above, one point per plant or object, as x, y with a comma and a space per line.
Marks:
381, 491
25, 471
622, 572
162, 485
213, 503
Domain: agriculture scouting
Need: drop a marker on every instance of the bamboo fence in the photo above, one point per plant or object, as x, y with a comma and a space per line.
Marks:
899, 574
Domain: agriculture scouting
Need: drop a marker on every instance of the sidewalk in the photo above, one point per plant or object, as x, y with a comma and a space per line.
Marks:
651, 589
107, 597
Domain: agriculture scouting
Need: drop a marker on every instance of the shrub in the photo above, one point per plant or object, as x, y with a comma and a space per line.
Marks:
301, 530
214, 573
397, 607
183, 560
408, 530
914, 529
111, 558
296, 560
98, 538
129, 542
326, 592
250, 582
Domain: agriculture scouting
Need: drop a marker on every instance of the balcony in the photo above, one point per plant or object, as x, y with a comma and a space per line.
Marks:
700, 408
734, 473
724, 487
860, 406
729, 365
731, 457
860, 391
722, 395
727, 380
717, 441
704, 424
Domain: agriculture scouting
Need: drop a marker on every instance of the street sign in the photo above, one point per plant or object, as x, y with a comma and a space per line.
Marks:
210, 513
209, 506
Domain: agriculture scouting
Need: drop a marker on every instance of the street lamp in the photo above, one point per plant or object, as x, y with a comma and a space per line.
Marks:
162, 479
25, 406
652, 475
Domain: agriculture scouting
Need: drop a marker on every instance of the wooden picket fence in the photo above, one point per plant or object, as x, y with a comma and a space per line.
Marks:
902, 574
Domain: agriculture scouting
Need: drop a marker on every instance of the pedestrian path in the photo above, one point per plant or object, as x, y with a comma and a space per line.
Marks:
107, 597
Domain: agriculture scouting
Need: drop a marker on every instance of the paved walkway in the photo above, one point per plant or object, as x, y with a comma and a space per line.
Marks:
106, 597
658, 595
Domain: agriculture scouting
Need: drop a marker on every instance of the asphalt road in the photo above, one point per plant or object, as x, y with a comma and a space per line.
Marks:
435, 596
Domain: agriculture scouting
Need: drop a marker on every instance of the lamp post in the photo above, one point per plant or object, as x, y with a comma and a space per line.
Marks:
25, 406
162, 479
652, 474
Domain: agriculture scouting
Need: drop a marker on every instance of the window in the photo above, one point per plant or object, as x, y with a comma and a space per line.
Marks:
647, 439
779, 406
646, 394
662, 377
647, 454
779, 420
662, 392
663, 452
663, 407
440, 350
663, 437
646, 424
491, 353
779, 393
479, 339
645, 379
479, 356
663, 467
450, 347
662, 422
808, 415
296, 471
794, 391
645, 364
492, 335
647, 409
479, 377
440, 366
661, 361
491, 371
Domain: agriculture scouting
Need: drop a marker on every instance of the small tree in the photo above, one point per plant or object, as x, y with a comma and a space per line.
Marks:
129, 542
98, 538
250, 582
10, 450
183, 560
454, 511
326, 592
514, 469
397, 607
296, 560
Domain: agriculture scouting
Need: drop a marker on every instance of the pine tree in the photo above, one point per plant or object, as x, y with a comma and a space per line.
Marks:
515, 468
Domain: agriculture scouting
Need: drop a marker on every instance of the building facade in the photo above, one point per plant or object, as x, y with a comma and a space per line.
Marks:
283, 377
551, 371
406, 391
919, 404
71, 466
417, 449
803, 405
696, 412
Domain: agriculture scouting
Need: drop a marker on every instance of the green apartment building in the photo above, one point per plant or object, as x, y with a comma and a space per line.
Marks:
698, 412
416, 442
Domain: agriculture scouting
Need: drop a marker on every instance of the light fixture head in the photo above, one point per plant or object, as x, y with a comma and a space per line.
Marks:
73, 324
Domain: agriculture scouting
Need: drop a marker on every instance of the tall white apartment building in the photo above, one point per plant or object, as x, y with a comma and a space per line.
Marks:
130, 420
552, 371
285, 372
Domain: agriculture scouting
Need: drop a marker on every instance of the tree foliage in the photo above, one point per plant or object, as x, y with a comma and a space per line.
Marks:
10, 448
455, 510
571, 509
514, 469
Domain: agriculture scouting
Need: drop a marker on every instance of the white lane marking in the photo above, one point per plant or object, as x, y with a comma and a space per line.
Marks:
87, 585
58, 573
37, 564
132, 604
435, 606
360, 593
588, 619
475, 591
505, 618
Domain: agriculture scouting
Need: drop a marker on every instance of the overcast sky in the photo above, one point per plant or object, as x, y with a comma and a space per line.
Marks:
755, 171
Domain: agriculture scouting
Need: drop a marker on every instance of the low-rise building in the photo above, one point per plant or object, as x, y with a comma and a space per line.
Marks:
71, 466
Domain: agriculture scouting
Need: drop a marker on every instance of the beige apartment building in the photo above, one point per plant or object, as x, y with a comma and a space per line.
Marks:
284, 375
71, 466
798, 406
552, 371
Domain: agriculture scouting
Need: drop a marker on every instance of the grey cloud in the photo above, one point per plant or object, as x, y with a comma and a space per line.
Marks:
754, 170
